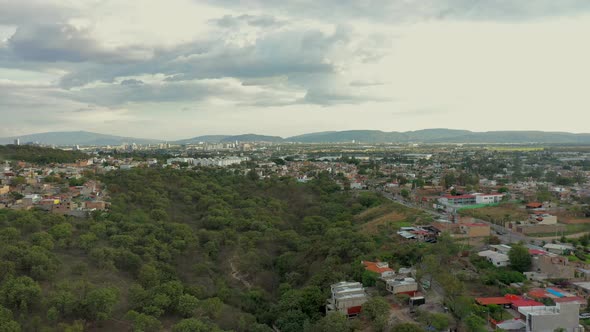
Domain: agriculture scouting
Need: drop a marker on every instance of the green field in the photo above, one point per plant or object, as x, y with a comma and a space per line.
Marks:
515, 148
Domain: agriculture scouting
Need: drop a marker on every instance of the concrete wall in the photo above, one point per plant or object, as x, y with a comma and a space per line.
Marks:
553, 267
567, 319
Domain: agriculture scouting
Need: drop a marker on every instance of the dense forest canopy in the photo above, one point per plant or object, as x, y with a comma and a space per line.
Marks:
39, 155
188, 250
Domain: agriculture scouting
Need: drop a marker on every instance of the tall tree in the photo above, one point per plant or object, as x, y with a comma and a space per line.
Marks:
520, 259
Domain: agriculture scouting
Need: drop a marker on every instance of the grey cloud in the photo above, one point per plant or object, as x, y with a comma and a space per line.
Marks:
131, 82
115, 94
84, 109
361, 84
327, 98
284, 53
261, 81
260, 21
65, 43
412, 10
17, 12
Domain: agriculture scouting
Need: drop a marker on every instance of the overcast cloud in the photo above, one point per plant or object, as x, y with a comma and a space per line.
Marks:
181, 68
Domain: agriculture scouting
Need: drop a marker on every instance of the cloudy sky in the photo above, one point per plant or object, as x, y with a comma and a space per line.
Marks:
181, 68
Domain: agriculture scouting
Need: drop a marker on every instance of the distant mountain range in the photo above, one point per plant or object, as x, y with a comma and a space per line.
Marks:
64, 138
230, 138
442, 136
360, 136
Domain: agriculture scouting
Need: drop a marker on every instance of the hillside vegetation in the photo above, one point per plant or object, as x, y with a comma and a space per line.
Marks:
187, 251
39, 155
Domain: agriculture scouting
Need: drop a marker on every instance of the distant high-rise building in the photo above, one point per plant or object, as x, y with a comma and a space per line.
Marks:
17, 141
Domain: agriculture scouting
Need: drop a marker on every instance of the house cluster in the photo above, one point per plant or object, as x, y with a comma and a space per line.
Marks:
532, 315
548, 262
402, 282
465, 229
208, 162
348, 297
57, 188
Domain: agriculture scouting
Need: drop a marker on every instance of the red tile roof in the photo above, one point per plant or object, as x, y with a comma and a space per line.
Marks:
537, 252
372, 266
534, 205
537, 293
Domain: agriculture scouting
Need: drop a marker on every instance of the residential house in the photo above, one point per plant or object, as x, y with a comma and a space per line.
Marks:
501, 248
558, 248
347, 298
534, 205
382, 269
407, 286
562, 316
64, 207
542, 218
95, 205
488, 198
496, 258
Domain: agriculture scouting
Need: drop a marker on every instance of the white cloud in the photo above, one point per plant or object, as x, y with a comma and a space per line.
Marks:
288, 67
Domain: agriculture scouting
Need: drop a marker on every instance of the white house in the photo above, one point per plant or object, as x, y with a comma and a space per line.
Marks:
494, 257
548, 319
558, 249
488, 198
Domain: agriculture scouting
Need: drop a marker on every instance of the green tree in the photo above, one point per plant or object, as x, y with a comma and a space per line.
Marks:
149, 276
405, 193
332, 322
375, 307
64, 301
76, 326
211, 307
62, 233
193, 325
142, 322
474, 323
406, 327
7, 324
42, 239
20, 293
520, 259
98, 303
439, 322
369, 278
292, 320
187, 305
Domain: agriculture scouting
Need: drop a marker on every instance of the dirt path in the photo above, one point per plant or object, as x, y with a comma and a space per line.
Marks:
570, 236
236, 274
400, 315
